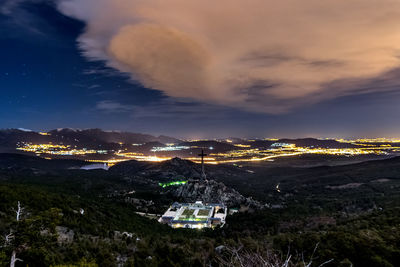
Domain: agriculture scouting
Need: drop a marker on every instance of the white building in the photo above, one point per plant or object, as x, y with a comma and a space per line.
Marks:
96, 166
194, 215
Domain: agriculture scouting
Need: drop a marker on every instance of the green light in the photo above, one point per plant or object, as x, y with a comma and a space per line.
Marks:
164, 185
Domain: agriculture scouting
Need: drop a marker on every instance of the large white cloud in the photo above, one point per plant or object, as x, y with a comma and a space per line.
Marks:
262, 55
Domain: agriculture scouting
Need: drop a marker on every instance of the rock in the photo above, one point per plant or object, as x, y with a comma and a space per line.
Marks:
176, 169
211, 191
65, 235
219, 249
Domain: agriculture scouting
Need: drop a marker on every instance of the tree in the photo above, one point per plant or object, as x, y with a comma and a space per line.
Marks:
9, 238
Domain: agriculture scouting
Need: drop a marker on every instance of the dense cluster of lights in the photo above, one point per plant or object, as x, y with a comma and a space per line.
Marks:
286, 151
62, 150
285, 145
140, 156
244, 152
240, 145
369, 140
169, 148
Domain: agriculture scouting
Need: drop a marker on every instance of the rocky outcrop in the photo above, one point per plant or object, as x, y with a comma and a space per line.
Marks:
176, 169
64, 234
211, 191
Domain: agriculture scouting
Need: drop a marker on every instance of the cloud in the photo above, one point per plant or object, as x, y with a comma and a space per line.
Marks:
166, 108
258, 55
180, 109
8, 6
102, 71
19, 20
109, 106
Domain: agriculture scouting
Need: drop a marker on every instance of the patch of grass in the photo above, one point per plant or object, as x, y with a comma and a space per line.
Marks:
203, 212
188, 212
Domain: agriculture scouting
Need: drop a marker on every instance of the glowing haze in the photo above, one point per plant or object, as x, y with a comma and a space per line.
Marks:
258, 55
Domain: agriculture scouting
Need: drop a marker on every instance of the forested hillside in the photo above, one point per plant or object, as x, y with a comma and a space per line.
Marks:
81, 218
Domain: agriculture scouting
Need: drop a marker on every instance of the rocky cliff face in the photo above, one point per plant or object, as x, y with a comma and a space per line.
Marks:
210, 191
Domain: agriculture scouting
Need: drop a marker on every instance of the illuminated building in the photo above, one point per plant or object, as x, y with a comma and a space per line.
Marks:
97, 166
194, 215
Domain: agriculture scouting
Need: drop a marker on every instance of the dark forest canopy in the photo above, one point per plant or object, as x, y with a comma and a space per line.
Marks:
358, 225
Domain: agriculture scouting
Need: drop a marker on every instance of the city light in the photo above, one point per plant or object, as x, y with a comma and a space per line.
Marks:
169, 148
244, 152
62, 150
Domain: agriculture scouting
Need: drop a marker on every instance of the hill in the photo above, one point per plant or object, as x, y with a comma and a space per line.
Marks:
89, 138
10, 161
77, 217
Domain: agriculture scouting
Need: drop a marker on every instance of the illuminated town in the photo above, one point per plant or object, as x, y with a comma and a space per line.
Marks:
240, 152
62, 150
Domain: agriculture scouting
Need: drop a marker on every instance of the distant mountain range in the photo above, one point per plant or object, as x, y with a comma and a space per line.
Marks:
95, 138
89, 138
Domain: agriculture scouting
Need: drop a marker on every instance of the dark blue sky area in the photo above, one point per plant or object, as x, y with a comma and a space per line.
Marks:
46, 83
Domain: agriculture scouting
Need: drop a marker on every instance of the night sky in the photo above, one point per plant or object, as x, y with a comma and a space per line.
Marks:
226, 69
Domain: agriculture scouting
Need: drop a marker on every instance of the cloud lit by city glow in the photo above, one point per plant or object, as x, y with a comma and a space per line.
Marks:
258, 55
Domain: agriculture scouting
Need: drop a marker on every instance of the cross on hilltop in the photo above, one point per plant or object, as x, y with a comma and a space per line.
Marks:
202, 155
